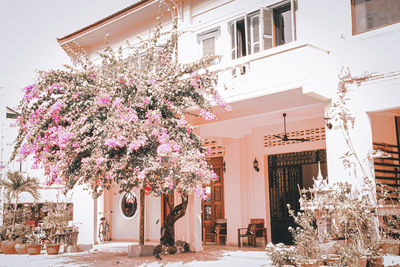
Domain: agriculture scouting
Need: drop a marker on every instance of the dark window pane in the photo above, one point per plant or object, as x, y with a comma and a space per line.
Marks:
207, 212
283, 25
241, 38
369, 14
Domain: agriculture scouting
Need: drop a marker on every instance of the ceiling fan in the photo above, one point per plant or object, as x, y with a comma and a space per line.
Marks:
285, 137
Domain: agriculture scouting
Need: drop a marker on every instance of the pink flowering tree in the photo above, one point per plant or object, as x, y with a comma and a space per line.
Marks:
122, 122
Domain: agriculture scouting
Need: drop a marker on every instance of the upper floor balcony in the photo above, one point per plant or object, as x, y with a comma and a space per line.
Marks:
291, 66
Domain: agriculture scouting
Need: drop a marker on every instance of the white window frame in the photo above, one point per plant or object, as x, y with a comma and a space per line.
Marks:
293, 18
250, 17
212, 33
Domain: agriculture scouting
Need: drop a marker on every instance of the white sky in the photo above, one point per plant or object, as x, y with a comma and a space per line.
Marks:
28, 36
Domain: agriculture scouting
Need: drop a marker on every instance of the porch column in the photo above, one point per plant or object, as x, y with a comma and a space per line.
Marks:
194, 223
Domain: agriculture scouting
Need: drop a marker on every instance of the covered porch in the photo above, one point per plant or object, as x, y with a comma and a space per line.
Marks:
261, 172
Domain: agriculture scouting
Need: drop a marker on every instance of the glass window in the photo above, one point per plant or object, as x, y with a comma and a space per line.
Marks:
261, 30
129, 205
370, 14
238, 37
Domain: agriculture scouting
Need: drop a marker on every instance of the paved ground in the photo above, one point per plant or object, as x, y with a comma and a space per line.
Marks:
115, 254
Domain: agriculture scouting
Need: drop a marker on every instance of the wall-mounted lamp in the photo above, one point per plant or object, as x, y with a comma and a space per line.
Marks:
328, 123
224, 166
255, 165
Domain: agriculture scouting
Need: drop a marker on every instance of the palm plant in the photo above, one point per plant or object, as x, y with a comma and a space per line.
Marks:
14, 184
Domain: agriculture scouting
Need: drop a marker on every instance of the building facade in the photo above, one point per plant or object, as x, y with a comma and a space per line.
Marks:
278, 69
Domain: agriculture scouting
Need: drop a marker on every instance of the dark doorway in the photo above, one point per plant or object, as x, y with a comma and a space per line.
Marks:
287, 173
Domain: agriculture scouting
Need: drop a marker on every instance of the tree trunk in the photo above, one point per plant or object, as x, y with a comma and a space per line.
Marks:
167, 231
15, 214
141, 230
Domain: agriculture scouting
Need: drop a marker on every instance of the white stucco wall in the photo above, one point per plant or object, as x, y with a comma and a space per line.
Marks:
311, 64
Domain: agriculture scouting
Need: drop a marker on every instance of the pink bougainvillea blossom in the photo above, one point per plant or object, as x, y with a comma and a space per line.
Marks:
207, 115
153, 116
91, 75
122, 124
104, 99
115, 143
100, 160
117, 102
163, 150
138, 143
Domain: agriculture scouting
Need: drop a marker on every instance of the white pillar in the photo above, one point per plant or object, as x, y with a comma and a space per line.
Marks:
194, 224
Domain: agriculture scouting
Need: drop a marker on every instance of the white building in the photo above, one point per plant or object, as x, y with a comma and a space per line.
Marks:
277, 57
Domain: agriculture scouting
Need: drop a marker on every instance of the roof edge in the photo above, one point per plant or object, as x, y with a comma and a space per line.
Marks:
98, 23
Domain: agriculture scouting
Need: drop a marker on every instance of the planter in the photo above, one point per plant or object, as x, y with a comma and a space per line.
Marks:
328, 248
332, 260
375, 261
1, 248
363, 262
52, 249
34, 249
21, 249
311, 263
8, 247
390, 249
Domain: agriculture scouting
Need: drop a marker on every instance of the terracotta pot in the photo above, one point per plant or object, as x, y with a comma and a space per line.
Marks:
333, 260
34, 249
52, 249
328, 248
308, 264
8, 247
363, 262
1, 248
375, 261
390, 249
21, 249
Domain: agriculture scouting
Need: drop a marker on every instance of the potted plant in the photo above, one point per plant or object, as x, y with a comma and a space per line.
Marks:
3, 230
390, 246
21, 232
56, 223
281, 255
14, 184
34, 244
8, 244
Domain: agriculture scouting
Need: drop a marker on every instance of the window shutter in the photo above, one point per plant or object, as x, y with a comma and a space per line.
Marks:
232, 30
209, 46
268, 31
256, 33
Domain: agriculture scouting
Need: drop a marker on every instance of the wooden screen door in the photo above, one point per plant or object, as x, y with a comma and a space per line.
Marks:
213, 207
285, 176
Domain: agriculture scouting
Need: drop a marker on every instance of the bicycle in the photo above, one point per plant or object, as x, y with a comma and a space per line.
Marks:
104, 229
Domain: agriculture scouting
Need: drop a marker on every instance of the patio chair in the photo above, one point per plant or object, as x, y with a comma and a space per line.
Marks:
254, 229
219, 231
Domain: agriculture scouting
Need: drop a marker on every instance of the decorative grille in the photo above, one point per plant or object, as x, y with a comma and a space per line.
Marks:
313, 135
216, 150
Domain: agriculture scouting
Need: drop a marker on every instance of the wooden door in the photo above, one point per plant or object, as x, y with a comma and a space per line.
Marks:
213, 206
